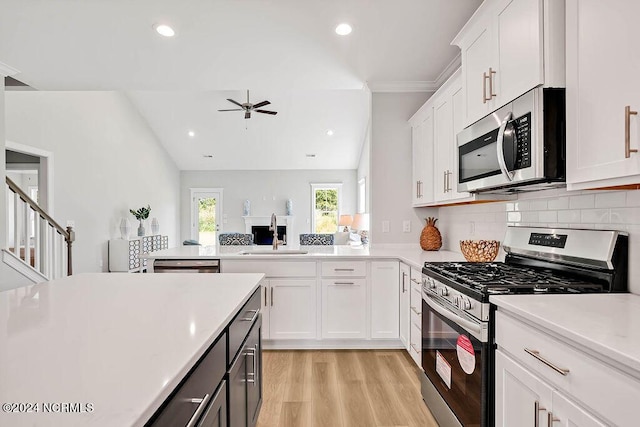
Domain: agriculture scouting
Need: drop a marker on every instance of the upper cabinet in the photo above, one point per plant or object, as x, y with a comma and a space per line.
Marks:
422, 155
508, 47
603, 127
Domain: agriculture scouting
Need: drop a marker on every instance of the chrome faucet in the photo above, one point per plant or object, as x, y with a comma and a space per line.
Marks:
274, 227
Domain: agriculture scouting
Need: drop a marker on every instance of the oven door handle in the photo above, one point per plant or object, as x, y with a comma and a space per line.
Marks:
473, 328
500, 148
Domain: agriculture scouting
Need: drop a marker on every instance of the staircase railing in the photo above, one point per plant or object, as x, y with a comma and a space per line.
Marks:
38, 239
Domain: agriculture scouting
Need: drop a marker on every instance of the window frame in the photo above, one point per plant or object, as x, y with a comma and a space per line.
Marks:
325, 186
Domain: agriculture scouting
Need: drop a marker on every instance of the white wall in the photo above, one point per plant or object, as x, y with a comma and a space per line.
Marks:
106, 160
614, 210
261, 188
391, 173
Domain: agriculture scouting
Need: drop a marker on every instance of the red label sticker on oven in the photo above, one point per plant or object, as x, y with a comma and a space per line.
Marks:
466, 355
443, 369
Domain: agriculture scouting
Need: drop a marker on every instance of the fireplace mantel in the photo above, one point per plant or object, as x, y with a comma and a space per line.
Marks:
286, 220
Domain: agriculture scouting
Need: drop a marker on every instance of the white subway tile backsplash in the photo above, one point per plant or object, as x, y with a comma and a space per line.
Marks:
559, 203
538, 205
611, 200
514, 216
586, 201
548, 216
596, 216
521, 206
625, 216
530, 217
633, 198
569, 216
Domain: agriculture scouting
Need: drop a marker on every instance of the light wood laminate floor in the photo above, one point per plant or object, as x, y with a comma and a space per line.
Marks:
341, 388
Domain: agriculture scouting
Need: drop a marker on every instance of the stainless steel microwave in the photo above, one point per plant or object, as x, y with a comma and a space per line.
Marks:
520, 147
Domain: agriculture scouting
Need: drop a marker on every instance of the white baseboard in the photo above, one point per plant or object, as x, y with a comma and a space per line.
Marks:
383, 344
22, 267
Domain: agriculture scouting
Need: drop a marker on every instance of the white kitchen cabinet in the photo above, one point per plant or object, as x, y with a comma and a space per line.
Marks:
422, 155
405, 301
586, 390
508, 47
415, 315
344, 308
600, 150
385, 299
521, 398
264, 308
292, 309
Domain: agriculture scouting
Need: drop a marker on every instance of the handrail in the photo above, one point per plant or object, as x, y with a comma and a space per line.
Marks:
68, 233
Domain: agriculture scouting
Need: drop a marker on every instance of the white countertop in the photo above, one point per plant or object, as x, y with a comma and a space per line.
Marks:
606, 324
410, 254
121, 342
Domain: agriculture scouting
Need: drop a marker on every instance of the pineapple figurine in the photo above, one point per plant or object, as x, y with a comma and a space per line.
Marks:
430, 238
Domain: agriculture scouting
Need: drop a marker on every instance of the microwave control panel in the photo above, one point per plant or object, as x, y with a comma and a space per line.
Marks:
522, 128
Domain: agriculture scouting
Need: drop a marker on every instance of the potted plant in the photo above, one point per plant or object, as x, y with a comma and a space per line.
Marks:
141, 214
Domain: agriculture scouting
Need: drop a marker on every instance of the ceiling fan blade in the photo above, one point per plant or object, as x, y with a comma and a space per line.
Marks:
273, 113
261, 104
234, 102
247, 115
235, 109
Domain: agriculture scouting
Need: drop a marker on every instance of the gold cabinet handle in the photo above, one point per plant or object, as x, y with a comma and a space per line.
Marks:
627, 131
536, 413
491, 74
536, 355
484, 88
551, 419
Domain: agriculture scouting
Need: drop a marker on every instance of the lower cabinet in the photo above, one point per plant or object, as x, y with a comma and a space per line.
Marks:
405, 292
385, 299
292, 308
245, 382
344, 308
415, 316
216, 413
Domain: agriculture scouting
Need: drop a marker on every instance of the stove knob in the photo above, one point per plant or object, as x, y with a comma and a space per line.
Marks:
444, 292
456, 301
466, 304
432, 284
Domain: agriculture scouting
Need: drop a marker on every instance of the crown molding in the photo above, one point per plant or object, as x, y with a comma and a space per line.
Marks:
7, 71
417, 86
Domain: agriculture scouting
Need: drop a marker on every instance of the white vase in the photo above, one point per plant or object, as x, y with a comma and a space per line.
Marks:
155, 226
246, 208
289, 207
125, 228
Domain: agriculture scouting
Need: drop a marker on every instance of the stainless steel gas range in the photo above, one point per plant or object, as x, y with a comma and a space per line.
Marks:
457, 329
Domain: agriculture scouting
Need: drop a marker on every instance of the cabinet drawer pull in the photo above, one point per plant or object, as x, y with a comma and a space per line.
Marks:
404, 279
491, 74
484, 88
444, 181
416, 281
551, 419
627, 131
414, 348
343, 283
536, 354
415, 311
271, 297
536, 413
202, 404
343, 269
251, 319
253, 353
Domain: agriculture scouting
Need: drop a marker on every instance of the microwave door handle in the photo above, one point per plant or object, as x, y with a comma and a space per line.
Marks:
500, 148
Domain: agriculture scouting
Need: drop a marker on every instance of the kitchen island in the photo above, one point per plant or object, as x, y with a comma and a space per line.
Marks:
107, 349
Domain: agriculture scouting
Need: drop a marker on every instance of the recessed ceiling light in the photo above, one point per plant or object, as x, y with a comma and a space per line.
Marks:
343, 29
164, 30
330, 132
191, 133
311, 155
208, 156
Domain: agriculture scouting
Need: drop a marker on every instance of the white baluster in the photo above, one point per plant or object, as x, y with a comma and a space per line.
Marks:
36, 242
61, 247
16, 228
52, 250
27, 233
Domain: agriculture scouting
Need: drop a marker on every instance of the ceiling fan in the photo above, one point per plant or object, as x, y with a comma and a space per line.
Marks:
248, 107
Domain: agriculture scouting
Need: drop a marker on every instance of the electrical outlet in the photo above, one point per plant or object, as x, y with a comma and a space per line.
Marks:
385, 226
406, 226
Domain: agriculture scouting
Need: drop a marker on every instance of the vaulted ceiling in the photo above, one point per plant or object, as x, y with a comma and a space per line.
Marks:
283, 50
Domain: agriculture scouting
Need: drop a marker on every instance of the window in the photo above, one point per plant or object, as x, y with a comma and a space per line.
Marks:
362, 196
325, 207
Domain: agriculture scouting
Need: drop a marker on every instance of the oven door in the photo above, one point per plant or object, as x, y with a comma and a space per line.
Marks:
455, 359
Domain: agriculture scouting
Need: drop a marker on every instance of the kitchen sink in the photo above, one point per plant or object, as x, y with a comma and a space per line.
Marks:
274, 252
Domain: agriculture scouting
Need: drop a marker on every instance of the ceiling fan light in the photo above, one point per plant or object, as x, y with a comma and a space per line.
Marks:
343, 29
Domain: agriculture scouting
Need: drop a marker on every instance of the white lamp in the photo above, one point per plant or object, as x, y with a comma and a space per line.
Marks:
361, 223
346, 221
